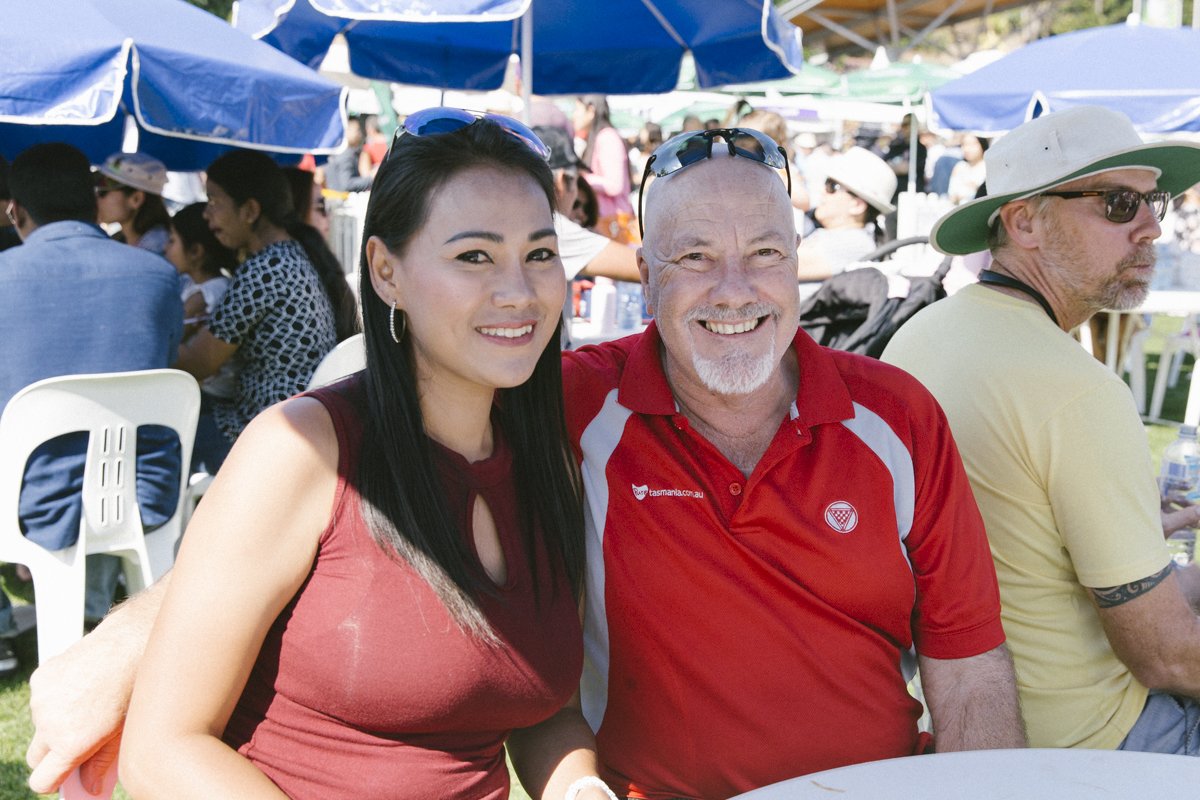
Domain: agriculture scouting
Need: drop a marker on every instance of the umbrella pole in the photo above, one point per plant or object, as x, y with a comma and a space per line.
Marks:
912, 146
527, 65
130, 142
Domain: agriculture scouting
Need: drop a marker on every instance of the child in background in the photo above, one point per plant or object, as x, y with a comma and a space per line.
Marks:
207, 265
196, 253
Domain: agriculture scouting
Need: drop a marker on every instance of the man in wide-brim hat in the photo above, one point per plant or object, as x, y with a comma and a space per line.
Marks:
858, 190
1099, 619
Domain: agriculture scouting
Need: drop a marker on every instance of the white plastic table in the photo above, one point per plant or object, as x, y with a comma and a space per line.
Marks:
1000, 775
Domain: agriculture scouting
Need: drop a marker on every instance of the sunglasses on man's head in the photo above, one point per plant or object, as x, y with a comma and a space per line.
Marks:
1121, 205
688, 148
443, 119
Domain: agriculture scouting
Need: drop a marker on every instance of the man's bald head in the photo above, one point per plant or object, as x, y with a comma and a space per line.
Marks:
722, 174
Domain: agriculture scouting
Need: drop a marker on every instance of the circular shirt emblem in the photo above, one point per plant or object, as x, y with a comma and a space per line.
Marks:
841, 516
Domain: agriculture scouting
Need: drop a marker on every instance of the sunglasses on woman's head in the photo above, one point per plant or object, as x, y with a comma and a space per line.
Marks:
1121, 205
688, 148
443, 119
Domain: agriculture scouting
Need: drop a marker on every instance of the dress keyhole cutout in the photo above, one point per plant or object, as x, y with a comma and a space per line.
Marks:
487, 542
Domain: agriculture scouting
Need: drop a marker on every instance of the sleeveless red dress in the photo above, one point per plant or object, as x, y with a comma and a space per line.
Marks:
365, 688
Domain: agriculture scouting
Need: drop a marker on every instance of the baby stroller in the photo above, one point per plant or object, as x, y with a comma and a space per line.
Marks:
853, 311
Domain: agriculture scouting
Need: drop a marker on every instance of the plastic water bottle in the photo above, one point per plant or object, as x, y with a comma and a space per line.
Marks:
604, 306
1179, 480
629, 305
585, 304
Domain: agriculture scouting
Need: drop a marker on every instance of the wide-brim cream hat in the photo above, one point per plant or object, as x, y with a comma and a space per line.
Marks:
136, 170
1055, 149
866, 175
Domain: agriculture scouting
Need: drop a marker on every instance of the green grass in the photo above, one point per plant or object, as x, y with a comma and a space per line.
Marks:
16, 728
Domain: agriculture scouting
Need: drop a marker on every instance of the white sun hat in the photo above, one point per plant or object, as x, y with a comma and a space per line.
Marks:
1055, 149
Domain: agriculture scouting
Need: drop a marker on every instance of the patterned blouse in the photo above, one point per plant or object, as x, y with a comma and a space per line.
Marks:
278, 314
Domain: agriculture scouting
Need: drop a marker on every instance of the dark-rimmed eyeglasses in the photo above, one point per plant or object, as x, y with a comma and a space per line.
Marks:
688, 148
833, 187
444, 119
1121, 205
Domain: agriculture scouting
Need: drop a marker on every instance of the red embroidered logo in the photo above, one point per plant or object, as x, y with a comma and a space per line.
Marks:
841, 516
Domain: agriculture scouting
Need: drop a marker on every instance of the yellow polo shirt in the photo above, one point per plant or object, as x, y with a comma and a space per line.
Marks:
1060, 467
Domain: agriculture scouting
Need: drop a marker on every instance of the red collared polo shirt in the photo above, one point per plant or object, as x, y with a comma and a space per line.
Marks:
743, 631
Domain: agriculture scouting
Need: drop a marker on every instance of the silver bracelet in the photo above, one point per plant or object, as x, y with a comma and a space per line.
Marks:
586, 782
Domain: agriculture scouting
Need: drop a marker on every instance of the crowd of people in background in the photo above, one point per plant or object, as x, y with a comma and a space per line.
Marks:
262, 227
447, 512
255, 299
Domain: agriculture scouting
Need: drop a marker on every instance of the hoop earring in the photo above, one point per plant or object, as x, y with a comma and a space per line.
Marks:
392, 324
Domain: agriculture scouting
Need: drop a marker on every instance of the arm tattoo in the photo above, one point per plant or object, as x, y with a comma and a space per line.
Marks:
1118, 595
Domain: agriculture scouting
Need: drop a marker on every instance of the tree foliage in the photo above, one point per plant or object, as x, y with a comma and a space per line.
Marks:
1006, 30
222, 8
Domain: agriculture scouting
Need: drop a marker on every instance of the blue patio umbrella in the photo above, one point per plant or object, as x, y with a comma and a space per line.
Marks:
1147, 73
575, 46
76, 70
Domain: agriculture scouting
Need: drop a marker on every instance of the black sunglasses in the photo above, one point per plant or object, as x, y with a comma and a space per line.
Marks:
833, 187
102, 191
687, 148
1121, 205
443, 119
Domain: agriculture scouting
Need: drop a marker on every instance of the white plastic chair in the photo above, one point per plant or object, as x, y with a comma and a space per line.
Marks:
1170, 361
348, 357
1135, 364
110, 407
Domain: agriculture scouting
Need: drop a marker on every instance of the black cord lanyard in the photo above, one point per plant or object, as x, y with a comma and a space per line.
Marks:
988, 276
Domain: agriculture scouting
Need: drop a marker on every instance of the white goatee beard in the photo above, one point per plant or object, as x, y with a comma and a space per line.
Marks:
737, 372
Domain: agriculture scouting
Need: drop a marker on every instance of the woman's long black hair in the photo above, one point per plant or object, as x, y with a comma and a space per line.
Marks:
251, 175
403, 503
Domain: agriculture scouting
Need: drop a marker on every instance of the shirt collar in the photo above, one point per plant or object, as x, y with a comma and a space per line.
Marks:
822, 396
65, 228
